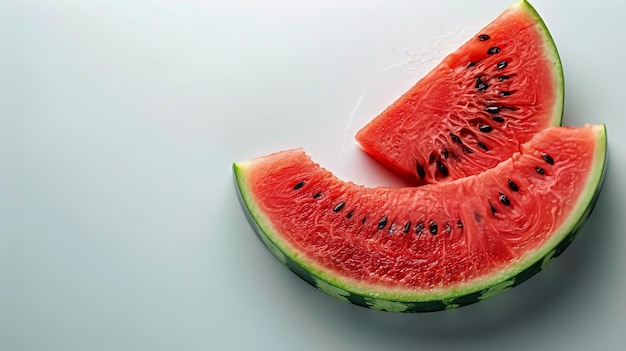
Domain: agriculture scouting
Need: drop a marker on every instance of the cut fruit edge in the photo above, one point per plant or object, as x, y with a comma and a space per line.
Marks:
524, 268
373, 145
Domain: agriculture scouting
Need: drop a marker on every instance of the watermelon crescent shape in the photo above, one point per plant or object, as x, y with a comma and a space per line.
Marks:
427, 248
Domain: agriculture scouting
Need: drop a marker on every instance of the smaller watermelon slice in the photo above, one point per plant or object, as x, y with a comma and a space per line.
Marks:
432, 247
476, 107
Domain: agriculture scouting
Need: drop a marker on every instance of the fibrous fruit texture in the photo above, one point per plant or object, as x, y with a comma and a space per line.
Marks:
476, 107
420, 248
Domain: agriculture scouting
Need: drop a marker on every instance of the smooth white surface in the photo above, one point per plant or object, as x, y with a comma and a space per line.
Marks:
119, 122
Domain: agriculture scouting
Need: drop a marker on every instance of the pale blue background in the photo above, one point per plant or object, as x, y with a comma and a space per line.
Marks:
119, 122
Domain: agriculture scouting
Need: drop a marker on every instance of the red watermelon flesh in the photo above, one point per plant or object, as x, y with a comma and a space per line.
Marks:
476, 107
438, 242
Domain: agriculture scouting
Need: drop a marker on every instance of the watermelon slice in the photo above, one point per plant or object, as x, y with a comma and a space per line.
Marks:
476, 107
423, 248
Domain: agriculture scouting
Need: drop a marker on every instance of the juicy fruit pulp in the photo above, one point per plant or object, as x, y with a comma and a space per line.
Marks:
420, 248
476, 107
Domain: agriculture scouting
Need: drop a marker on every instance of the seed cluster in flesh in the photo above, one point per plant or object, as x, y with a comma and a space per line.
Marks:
432, 225
493, 108
474, 109
424, 237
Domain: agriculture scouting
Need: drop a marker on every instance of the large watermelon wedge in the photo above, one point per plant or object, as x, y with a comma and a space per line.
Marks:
432, 247
476, 107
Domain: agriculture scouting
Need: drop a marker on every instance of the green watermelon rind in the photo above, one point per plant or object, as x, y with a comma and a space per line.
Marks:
436, 299
550, 52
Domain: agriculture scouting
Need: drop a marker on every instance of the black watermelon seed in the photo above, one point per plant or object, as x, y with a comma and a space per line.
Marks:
459, 224
492, 109
501, 64
501, 78
540, 170
493, 50
485, 128
432, 227
493, 209
444, 153
298, 185
471, 64
317, 195
407, 227
339, 206
482, 146
481, 85
442, 168
455, 138
447, 228
421, 172
547, 158
364, 220
499, 119
350, 214
466, 149
505, 200
513, 186
506, 93
382, 223
419, 228
483, 37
